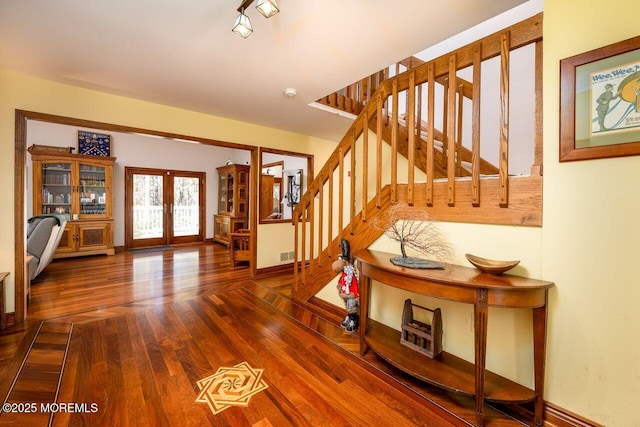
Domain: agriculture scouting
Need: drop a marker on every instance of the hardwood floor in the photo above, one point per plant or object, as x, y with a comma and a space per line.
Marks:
170, 337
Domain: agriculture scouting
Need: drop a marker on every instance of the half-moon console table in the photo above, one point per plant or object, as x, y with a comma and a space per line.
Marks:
467, 285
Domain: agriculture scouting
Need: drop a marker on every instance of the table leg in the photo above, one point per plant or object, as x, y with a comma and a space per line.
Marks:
539, 345
365, 284
481, 314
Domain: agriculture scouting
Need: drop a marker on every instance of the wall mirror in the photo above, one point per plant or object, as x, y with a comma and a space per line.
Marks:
284, 177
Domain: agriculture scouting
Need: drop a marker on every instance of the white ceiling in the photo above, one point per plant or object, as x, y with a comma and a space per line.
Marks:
183, 53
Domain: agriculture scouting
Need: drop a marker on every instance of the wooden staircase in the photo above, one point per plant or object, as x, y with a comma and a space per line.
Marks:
390, 156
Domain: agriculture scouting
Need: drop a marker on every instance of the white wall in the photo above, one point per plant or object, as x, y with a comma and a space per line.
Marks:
137, 150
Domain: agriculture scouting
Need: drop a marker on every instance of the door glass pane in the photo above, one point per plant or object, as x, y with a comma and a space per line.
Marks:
92, 190
148, 218
186, 209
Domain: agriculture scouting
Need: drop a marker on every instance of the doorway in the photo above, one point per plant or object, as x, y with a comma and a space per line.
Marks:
163, 207
21, 189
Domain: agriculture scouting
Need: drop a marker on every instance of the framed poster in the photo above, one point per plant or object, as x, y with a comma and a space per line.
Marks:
600, 102
94, 144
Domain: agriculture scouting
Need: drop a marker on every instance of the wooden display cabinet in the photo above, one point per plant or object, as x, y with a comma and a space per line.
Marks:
86, 238
233, 201
224, 225
80, 187
233, 190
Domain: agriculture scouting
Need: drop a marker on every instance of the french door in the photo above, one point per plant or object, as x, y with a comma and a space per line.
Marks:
163, 207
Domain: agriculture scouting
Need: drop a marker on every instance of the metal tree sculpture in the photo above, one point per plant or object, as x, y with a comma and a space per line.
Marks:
412, 229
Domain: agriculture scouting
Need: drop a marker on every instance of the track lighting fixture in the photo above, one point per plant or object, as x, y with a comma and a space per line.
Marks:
242, 26
267, 8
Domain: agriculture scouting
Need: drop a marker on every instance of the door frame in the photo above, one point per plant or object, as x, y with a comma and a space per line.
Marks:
167, 195
20, 186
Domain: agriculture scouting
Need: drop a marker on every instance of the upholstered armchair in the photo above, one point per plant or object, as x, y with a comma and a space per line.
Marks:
43, 237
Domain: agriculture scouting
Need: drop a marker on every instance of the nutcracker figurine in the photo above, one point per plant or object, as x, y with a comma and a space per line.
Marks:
348, 287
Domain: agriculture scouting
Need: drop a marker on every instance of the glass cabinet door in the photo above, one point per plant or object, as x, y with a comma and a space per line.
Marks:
230, 189
56, 188
92, 190
222, 193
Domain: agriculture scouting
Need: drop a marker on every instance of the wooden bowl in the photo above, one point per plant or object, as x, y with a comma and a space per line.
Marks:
490, 266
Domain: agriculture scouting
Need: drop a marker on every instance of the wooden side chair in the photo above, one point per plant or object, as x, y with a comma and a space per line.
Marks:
240, 246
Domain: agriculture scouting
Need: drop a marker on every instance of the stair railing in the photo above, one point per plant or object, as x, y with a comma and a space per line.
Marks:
362, 176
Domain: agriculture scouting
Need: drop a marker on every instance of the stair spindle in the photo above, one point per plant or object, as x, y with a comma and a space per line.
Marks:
536, 169
451, 129
411, 128
365, 165
475, 126
379, 119
305, 215
330, 220
459, 115
312, 218
394, 143
320, 217
340, 189
296, 259
505, 43
431, 95
352, 199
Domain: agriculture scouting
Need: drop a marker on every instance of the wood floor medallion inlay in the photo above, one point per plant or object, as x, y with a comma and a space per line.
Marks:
233, 386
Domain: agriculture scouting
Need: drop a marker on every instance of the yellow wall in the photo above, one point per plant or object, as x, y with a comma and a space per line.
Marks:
588, 244
32, 94
510, 350
591, 238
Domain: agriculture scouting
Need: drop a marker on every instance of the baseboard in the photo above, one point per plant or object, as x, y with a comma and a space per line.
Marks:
556, 416
326, 309
275, 270
10, 318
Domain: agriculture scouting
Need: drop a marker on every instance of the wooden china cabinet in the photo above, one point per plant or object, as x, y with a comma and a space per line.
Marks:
80, 187
233, 202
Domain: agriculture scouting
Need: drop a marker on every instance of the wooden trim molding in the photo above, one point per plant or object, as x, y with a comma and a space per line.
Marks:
275, 270
309, 178
10, 318
556, 416
20, 244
